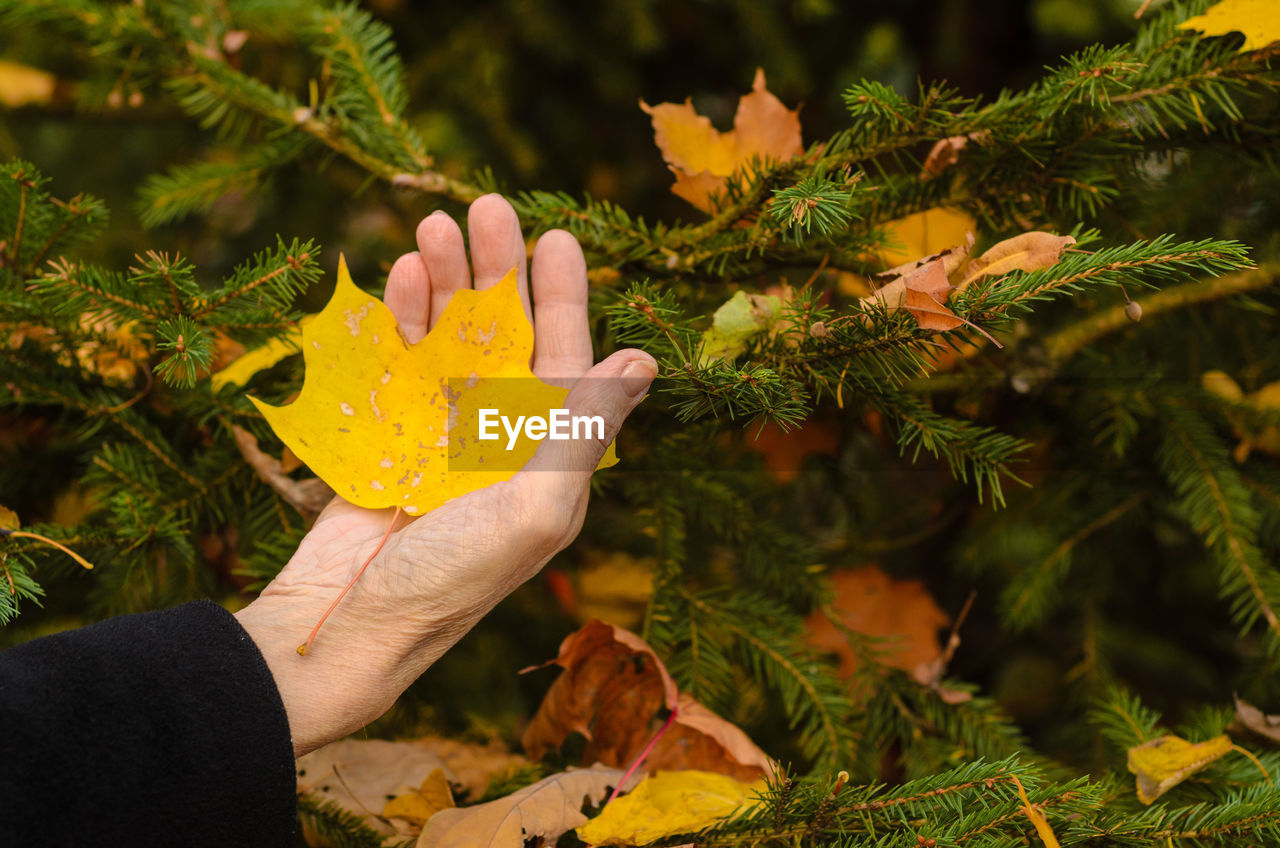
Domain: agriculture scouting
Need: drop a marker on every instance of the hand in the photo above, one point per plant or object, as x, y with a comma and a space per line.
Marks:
439, 574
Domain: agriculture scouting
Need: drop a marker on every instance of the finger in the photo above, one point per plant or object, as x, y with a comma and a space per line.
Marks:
560, 469
561, 334
408, 296
445, 255
496, 244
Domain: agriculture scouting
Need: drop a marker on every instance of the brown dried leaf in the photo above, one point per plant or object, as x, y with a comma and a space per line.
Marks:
944, 153
1266, 726
615, 692
923, 293
306, 496
1027, 252
361, 775
543, 812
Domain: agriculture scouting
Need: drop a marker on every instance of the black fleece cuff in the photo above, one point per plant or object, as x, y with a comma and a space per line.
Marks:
164, 728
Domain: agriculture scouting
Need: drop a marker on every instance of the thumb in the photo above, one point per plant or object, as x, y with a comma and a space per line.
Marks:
560, 470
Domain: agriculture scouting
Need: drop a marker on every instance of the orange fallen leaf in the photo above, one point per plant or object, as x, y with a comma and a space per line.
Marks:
702, 157
308, 496
946, 152
614, 691
1265, 400
22, 85
870, 602
785, 451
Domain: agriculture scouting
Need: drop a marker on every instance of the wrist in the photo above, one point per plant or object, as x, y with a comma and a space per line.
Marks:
330, 693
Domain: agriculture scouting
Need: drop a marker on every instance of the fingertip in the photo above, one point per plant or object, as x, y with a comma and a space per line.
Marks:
438, 228
408, 296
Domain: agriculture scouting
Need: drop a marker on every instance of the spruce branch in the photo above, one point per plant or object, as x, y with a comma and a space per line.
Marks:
1219, 508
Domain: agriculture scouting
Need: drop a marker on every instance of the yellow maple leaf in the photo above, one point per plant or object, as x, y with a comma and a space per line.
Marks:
668, 803
1259, 20
1163, 763
702, 157
390, 424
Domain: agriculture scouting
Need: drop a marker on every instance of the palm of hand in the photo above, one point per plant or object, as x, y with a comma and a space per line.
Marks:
441, 564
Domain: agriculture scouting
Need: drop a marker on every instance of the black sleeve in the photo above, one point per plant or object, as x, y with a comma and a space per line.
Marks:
164, 728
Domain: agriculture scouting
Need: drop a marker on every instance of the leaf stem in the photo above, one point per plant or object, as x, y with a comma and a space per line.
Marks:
635, 764
306, 646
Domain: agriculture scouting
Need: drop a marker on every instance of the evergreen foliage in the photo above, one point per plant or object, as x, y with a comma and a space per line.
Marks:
1078, 475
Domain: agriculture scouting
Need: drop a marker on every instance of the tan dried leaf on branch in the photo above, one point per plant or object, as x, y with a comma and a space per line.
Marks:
1026, 252
923, 293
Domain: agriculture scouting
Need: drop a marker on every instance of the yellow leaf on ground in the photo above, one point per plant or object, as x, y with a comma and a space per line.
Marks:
1163, 763
9, 519
390, 424
668, 803
1259, 20
544, 812
21, 85
702, 157
424, 802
